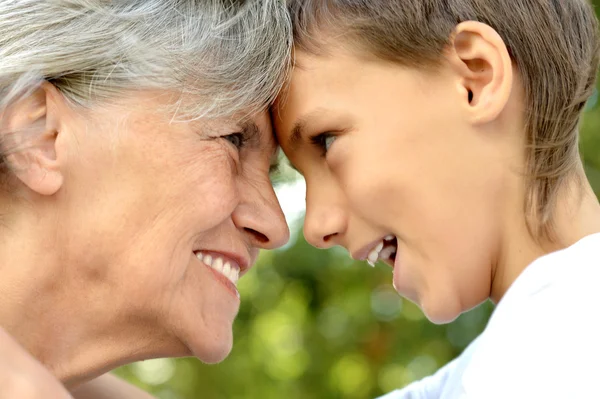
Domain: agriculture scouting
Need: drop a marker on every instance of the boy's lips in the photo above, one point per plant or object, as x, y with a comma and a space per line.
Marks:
381, 249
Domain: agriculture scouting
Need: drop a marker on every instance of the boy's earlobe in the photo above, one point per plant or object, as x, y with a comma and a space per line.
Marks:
484, 67
29, 133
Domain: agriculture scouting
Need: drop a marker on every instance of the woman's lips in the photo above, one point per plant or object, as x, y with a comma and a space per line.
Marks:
225, 270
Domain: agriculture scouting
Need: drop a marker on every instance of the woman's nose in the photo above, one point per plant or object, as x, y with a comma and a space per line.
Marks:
260, 216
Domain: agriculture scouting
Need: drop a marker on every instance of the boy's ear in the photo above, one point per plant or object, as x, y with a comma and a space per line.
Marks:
480, 58
30, 128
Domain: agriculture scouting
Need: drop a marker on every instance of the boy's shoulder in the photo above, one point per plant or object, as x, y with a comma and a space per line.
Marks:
559, 276
555, 289
542, 340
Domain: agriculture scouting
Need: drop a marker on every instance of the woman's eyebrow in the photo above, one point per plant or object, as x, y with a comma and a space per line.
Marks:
252, 132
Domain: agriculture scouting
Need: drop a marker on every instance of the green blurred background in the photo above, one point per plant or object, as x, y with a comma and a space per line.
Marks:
315, 324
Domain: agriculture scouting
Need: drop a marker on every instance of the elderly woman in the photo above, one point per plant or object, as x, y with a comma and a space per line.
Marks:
441, 137
136, 149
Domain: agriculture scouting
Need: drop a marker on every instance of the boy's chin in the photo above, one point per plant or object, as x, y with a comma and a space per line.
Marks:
441, 312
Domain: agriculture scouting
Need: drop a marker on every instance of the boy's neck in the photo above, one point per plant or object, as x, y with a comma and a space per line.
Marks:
576, 216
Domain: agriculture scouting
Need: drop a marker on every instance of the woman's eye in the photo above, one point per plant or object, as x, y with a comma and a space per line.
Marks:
237, 139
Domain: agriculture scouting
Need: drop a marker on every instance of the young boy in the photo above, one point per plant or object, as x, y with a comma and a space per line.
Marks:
441, 137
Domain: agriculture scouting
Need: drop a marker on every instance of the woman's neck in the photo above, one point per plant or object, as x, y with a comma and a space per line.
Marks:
50, 308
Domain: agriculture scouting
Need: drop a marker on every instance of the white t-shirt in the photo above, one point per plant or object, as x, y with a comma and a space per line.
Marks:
542, 341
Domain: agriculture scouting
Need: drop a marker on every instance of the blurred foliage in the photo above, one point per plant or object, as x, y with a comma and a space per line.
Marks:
315, 324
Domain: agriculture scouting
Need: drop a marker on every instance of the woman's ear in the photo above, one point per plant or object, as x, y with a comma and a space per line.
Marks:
483, 65
30, 128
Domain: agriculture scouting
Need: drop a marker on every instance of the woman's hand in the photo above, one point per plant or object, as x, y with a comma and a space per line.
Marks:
22, 376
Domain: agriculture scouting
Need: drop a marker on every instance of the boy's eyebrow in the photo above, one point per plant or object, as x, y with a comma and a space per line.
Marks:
299, 128
296, 136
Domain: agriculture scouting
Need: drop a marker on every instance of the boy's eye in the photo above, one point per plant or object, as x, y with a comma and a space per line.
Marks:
328, 141
323, 142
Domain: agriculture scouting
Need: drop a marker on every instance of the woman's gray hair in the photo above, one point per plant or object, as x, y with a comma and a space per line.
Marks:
222, 57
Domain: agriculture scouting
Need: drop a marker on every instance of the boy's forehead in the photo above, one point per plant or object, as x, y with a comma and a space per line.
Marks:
284, 120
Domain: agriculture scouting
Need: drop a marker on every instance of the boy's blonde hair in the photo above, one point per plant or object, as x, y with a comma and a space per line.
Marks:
553, 43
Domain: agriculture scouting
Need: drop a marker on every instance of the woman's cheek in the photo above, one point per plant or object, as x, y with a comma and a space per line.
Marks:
214, 181
225, 159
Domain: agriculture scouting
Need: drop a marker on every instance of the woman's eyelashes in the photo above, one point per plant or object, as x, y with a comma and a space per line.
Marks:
237, 139
249, 134
323, 142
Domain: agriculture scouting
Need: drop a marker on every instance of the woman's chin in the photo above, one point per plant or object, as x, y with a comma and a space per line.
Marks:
205, 318
212, 346
217, 353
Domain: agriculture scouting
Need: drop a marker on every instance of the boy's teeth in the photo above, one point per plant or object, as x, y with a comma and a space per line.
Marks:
231, 271
383, 250
387, 252
374, 254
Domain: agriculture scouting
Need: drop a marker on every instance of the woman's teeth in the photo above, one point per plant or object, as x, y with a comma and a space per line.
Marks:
383, 251
232, 272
